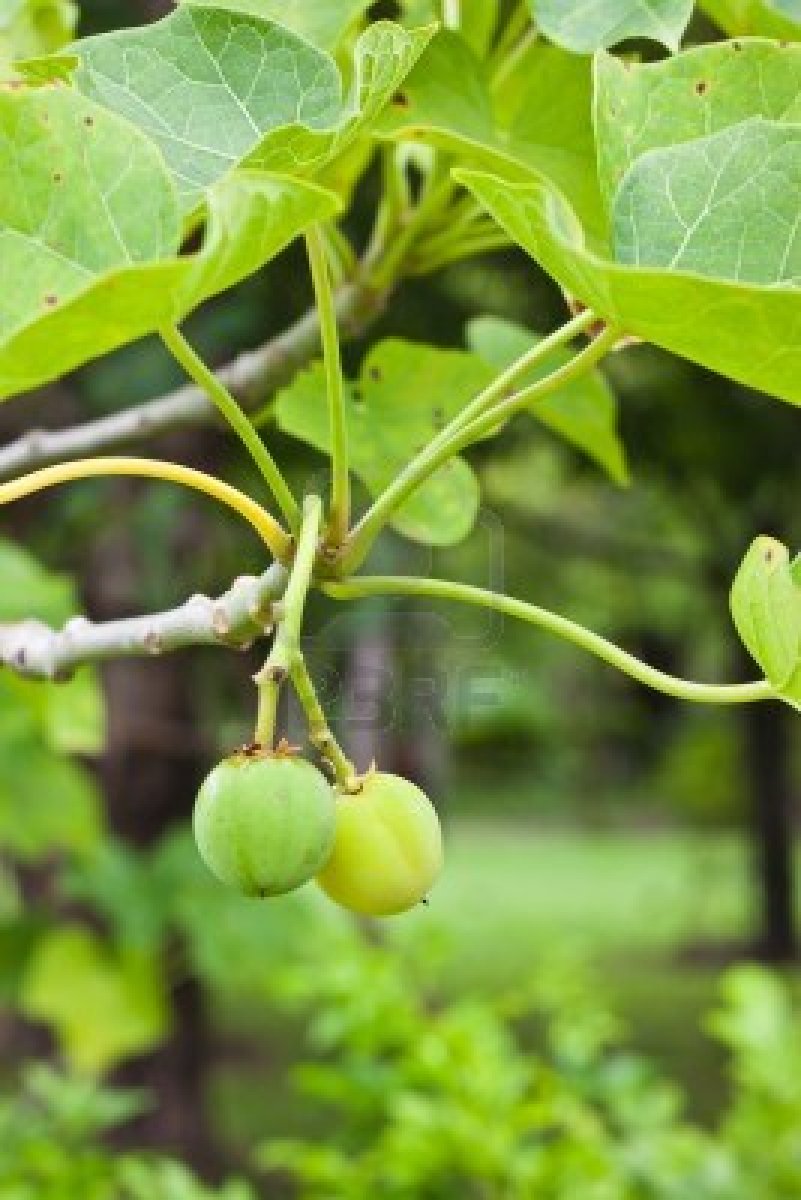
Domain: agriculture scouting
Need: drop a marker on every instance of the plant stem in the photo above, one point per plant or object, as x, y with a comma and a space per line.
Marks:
479, 418
585, 639
268, 529
320, 733
197, 370
286, 646
339, 516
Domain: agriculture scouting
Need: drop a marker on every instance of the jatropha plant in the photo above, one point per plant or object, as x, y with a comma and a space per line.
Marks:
146, 170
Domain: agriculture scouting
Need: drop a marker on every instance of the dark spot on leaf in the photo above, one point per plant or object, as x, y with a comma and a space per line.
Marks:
57, 177
51, 300
769, 554
400, 100
701, 87
736, 45
375, 374
89, 121
784, 45
439, 418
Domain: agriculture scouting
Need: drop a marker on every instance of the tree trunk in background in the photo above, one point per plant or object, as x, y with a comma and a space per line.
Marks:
150, 773
766, 750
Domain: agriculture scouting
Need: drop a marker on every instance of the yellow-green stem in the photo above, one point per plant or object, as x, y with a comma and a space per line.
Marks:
585, 639
320, 733
339, 516
208, 382
268, 529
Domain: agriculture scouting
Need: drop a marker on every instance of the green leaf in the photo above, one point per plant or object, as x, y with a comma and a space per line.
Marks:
642, 107
405, 394
766, 609
586, 25
584, 412
33, 27
780, 19
321, 23
90, 232
748, 332
726, 206
29, 591
103, 1007
47, 804
539, 120
217, 89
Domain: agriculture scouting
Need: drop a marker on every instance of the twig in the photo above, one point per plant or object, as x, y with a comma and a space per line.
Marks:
235, 619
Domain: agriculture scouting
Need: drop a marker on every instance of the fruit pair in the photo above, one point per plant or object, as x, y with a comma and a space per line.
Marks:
266, 822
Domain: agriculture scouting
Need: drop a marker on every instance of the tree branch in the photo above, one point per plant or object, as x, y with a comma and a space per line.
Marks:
235, 619
250, 377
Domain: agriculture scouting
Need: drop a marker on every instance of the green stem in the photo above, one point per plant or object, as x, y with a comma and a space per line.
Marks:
427, 261
197, 370
286, 646
585, 639
479, 418
339, 517
320, 733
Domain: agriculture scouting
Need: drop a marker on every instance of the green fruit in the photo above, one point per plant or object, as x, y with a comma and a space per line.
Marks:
264, 823
388, 848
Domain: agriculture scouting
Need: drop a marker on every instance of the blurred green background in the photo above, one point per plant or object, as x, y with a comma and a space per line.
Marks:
615, 860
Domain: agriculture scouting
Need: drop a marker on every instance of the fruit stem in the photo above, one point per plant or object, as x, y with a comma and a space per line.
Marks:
320, 733
286, 647
268, 529
585, 639
208, 382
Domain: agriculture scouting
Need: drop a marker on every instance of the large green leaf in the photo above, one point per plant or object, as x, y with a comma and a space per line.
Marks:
766, 608
321, 23
642, 107
584, 412
90, 234
216, 89
539, 120
33, 27
726, 206
477, 22
586, 25
405, 394
749, 332
779, 19
103, 1007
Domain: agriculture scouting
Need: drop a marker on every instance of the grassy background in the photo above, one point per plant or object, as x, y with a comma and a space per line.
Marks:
655, 914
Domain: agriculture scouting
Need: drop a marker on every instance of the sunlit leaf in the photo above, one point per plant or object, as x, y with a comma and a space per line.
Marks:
766, 609
586, 25
322, 23
91, 232
217, 89
403, 397
642, 107
751, 333
584, 412
763, 18
726, 206
538, 120
102, 1006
